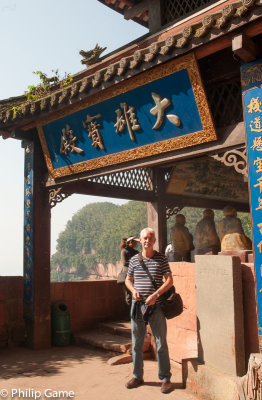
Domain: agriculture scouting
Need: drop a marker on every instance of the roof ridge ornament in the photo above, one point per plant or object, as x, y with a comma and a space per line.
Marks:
92, 56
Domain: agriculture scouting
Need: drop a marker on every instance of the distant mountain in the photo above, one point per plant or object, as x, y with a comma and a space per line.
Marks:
94, 234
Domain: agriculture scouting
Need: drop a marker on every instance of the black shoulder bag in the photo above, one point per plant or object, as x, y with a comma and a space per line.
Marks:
171, 302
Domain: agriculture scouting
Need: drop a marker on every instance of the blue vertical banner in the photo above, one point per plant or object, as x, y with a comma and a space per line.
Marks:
251, 80
28, 230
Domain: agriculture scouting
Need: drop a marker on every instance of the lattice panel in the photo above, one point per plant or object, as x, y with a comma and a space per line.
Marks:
225, 102
134, 179
177, 9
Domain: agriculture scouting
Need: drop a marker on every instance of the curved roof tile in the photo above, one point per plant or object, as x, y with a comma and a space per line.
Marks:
106, 73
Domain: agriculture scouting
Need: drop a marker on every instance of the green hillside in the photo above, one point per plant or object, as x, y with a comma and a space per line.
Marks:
94, 233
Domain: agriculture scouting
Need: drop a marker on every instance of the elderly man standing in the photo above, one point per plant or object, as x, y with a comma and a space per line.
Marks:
144, 292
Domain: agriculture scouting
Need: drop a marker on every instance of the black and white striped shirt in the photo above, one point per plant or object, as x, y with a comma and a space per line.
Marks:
157, 266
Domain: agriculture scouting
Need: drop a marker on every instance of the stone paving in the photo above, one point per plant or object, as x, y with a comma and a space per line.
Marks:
80, 373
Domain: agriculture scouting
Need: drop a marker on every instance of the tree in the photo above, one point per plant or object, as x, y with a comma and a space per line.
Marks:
94, 234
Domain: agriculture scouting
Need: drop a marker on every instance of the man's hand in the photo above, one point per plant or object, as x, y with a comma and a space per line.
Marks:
166, 285
136, 295
151, 299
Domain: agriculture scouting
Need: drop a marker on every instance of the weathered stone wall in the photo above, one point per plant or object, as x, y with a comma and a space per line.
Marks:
220, 317
250, 313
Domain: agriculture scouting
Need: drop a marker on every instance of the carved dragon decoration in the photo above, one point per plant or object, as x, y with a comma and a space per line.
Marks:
92, 56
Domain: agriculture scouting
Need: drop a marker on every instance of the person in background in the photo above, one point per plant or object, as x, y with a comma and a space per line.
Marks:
169, 252
127, 251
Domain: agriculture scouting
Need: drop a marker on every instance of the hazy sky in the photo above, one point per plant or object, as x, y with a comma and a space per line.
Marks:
45, 35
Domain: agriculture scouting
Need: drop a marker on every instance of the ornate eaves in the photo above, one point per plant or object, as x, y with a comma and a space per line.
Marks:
132, 64
122, 6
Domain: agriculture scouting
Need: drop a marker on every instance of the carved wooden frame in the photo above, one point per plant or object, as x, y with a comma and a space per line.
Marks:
208, 133
57, 196
236, 158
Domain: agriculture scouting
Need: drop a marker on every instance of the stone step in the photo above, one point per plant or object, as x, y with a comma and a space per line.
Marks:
104, 340
127, 358
109, 341
121, 328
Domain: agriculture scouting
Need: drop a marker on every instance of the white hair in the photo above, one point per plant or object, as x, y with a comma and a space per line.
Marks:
147, 230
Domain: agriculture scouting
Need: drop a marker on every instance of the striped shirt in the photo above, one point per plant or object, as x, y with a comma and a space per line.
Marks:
157, 266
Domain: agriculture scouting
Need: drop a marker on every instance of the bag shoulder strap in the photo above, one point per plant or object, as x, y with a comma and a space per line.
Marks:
141, 261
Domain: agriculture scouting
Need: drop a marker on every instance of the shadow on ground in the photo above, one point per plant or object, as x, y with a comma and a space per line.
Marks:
21, 361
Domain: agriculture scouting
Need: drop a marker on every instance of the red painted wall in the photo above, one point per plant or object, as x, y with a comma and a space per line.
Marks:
90, 301
182, 330
12, 328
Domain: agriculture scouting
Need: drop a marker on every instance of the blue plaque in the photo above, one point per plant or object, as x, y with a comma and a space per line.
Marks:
152, 113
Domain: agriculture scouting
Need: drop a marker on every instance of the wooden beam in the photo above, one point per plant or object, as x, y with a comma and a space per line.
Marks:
154, 15
213, 46
136, 10
156, 211
222, 42
100, 189
203, 202
244, 48
5, 134
16, 133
